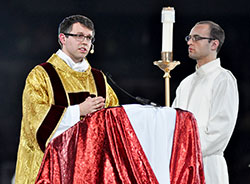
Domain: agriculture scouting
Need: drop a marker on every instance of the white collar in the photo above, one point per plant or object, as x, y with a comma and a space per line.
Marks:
79, 67
208, 67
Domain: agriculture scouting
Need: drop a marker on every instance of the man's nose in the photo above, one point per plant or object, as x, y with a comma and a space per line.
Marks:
190, 41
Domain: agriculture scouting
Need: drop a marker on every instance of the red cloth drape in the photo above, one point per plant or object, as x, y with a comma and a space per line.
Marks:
102, 148
186, 164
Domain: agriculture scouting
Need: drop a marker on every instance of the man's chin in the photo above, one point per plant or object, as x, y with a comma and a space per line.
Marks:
191, 56
83, 55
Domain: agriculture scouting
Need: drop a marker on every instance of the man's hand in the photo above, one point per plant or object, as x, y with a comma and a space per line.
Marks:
91, 105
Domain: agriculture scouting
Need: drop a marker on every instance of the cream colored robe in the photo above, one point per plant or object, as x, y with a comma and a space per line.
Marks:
211, 94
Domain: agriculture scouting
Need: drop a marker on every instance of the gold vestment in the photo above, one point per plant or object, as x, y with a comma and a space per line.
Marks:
38, 98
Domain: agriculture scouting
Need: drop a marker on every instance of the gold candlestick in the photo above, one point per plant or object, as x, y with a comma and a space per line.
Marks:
167, 64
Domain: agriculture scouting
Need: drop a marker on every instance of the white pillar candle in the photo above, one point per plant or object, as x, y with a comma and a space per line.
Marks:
167, 19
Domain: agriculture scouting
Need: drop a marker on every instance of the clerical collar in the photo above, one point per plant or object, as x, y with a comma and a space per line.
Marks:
79, 67
206, 68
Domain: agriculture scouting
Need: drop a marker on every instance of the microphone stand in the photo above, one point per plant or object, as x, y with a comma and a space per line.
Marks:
141, 100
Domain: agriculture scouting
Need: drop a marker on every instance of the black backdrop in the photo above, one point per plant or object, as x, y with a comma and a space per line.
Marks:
128, 40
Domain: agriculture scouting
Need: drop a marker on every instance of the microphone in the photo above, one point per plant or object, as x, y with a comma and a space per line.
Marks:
141, 100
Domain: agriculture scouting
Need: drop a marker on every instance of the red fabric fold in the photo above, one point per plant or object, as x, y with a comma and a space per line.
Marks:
102, 148
186, 164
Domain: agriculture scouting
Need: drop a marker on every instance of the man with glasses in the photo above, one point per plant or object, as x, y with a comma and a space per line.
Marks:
58, 93
211, 94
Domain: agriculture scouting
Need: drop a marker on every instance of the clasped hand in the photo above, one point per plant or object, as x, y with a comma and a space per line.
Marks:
91, 105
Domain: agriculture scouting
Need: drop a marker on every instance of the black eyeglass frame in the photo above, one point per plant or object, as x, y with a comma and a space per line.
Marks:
79, 36
197, 38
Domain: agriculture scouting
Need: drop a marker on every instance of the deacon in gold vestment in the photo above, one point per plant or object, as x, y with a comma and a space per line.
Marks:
56, 87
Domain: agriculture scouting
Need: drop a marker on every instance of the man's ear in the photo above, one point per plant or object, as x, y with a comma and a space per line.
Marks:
62, 38
215, 44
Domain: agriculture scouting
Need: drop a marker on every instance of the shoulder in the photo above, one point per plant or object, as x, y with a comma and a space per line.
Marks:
95, 70
37, 76
187, 79
224, 82
38, 69
225, 75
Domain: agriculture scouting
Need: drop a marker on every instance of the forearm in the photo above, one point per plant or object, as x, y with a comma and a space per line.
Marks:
69, 119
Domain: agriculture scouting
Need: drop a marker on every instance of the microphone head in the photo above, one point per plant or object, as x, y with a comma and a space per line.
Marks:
92, 49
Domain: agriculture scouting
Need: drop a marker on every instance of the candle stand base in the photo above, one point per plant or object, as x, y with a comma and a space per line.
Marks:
167, 64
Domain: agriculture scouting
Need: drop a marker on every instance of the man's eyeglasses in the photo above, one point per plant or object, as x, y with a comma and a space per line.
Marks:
81, 37
197, 38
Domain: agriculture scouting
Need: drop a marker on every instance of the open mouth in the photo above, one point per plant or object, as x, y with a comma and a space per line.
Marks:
83, 49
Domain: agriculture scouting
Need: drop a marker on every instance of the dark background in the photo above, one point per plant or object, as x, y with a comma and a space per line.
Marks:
128, 41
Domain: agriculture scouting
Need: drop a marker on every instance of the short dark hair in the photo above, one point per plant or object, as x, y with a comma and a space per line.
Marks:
66, 25
216, 32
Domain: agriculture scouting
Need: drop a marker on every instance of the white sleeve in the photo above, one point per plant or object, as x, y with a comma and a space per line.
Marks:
223, 114
70, 118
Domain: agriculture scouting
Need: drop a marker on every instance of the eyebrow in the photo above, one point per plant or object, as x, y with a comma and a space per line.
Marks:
84, 34
195, 35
